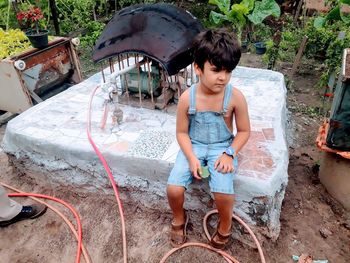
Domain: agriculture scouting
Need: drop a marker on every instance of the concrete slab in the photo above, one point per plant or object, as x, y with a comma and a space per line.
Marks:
51, 137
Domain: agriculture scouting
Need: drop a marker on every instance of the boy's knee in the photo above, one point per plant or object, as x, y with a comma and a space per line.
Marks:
224, 198
175, 191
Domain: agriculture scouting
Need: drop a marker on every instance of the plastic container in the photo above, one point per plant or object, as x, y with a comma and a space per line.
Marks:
260, 48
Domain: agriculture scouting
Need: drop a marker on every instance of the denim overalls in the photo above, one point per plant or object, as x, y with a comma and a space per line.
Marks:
210, 137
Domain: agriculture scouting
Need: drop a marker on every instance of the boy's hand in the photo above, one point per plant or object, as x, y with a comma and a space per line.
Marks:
224, 164
195, 167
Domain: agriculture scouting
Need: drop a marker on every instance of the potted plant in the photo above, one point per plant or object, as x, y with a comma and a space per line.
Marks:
33, 19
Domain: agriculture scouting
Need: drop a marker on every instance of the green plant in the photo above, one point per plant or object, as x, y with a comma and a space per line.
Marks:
287, 47
340, 12
261, 32
12, 42
240, 13
202, 12
94, 30
124, 3
7, 19
334, 56
74, 15
271, 54
324, 45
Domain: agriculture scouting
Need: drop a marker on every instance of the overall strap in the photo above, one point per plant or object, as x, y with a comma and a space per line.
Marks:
192, 108
227, 97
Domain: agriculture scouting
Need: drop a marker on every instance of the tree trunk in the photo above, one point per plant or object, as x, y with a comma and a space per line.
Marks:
54, 16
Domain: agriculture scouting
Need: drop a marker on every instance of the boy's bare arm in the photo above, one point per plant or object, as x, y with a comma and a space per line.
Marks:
224, 163
242, 121
182, 123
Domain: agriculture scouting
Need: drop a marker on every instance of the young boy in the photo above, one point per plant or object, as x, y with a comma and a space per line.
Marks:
204, 127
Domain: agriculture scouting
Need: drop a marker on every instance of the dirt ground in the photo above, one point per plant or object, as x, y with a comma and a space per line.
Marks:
311, 221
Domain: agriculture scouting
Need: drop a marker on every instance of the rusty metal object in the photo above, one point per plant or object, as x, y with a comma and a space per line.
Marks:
34, 73
160, 31
48, 69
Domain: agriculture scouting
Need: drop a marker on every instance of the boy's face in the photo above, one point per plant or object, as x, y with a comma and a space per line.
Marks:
212, 78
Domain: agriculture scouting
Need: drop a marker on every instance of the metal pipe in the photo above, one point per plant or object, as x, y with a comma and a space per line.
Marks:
150, 89
139, 80
163, 91
178, 86
119, 62
122, 60
191, 74
111, 68
126, 83
115, 74
127, 59
103, 74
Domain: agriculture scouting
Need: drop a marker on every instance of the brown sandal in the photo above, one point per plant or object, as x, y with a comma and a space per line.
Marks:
221, 240
177, 239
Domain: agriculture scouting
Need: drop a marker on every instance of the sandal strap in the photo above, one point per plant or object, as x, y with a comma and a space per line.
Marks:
179, 238
222, 240
227, 236
182, 226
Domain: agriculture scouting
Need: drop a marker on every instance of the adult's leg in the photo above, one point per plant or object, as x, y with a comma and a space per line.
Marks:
8, 208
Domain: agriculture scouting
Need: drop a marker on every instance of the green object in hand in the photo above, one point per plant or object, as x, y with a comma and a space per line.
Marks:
205, 172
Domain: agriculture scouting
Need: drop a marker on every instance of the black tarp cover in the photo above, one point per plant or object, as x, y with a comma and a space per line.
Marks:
338, 136
160, 31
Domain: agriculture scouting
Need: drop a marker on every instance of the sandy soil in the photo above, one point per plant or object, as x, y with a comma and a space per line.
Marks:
308, 210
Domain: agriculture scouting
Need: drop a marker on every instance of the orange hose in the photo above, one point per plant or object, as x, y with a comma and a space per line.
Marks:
70, 225
227, 256
110, 175
215, 211
66, 205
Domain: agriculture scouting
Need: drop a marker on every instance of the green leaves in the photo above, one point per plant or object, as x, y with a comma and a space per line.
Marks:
339, 13
237, 14
223, 5
319, 22
217, 18
12, 42
249, 4
344, 11
264, 9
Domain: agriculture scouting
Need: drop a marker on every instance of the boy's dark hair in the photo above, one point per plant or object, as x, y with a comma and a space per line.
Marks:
219, 47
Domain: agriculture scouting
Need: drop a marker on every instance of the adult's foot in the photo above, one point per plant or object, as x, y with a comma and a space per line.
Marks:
27, 212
